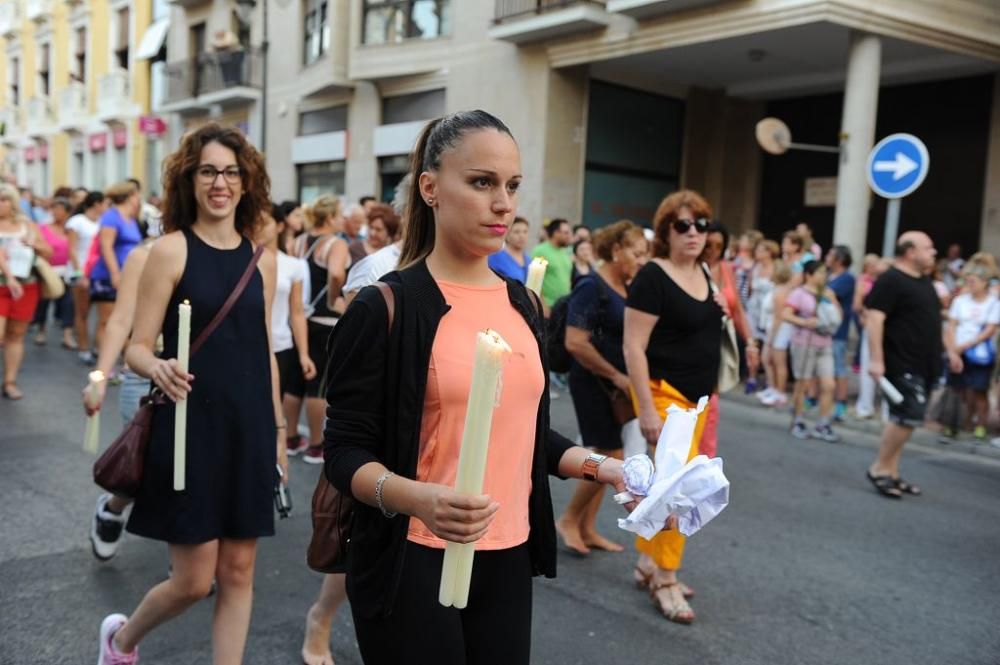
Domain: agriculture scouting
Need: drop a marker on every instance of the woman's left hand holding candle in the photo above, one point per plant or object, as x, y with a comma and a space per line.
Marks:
93, 396
168, 377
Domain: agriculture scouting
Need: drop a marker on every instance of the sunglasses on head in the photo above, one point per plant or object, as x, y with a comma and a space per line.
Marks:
682, 225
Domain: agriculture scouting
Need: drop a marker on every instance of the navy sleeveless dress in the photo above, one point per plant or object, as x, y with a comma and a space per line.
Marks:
231, 432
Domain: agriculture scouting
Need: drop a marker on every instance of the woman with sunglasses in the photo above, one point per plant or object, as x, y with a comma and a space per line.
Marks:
673, 332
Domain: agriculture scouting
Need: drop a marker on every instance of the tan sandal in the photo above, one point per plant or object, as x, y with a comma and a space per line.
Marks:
642, 580
678, 610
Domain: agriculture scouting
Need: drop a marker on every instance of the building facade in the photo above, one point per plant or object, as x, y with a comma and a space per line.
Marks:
74, 93
614, 103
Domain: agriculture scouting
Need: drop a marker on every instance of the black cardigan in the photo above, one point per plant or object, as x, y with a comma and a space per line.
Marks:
375, 399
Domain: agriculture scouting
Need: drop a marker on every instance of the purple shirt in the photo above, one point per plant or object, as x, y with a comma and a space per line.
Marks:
127, 236
804, 304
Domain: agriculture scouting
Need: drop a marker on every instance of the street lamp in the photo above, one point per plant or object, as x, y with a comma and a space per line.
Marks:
244, 11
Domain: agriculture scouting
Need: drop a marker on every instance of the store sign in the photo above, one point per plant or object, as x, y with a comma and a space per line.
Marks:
821, 192
29, 154
152, 125
97, 142
43, 151
120, 137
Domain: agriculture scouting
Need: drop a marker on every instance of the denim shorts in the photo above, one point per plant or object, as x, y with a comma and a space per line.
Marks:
133, 388
840, 369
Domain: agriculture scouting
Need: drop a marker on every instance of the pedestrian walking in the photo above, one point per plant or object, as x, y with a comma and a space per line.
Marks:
598, 382
583, 260
383, 227
969, 340
118, 235
81, 229
812, 349
327, 257
216, 189
510, 261
56, 236
759, 316
112, 512
397, 403
842, 283
903, 321
556, 251
20, 243
672, 347
289, 330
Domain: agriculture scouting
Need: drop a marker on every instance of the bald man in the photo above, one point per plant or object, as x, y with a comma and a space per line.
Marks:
903, 322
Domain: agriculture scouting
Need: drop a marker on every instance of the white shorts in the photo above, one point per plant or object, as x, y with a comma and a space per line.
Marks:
783, 338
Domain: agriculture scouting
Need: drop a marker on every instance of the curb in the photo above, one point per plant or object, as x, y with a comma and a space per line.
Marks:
924, 437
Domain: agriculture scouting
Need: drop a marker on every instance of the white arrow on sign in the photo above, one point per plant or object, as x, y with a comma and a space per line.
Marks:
900, 167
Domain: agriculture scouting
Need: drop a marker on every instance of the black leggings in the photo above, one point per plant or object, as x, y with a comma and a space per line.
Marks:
495, 628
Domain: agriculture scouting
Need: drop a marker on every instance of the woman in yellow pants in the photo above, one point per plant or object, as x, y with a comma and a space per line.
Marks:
673, 329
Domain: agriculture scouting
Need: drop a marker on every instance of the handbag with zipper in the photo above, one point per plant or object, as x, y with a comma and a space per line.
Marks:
729, 352
119, 470
333, 511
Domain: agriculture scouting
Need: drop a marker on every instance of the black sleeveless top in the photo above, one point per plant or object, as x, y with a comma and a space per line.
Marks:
318, 278
231, 435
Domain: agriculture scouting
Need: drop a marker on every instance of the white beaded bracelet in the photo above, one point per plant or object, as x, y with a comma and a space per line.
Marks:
378, 494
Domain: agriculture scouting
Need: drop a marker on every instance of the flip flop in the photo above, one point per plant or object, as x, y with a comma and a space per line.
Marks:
885, 485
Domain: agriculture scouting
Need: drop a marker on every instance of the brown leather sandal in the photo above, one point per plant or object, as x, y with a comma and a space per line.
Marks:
678, 610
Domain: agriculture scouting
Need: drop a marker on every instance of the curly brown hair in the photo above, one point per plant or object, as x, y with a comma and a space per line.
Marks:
180, 210
622, 232
666, 215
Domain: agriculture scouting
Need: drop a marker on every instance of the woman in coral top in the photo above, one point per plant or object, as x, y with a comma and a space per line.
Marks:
397, 402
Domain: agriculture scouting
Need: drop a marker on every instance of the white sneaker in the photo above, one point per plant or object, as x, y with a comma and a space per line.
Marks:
108, 654
995, 442
106, 529
765, 394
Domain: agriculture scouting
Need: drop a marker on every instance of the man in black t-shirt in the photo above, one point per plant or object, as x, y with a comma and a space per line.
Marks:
903, 322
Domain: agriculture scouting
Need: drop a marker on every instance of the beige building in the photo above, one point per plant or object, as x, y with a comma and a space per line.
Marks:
615, 103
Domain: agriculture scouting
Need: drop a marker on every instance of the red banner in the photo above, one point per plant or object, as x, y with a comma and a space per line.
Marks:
29, 154
97, 142
43, 151
152, 125
120, 137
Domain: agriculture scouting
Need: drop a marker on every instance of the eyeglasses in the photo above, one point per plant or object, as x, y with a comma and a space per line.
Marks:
683, 225
207, 174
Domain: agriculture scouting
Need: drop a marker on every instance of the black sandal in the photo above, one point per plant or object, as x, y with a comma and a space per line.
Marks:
885, 485
908, 488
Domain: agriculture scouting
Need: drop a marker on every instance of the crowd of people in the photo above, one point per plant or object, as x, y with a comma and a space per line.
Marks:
629, 320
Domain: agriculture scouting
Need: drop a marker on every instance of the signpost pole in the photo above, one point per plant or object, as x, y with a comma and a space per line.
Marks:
891, 228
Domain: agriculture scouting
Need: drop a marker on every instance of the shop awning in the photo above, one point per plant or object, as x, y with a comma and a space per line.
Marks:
153, 40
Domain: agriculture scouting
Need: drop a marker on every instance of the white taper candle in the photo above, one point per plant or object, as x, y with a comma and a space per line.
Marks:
491, 350
93, 429
536, 274
180, 413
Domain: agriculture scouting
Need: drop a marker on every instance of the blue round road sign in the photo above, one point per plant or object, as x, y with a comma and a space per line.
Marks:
897, 165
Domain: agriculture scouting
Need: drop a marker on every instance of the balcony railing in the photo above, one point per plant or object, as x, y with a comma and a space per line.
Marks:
113, 94
38, 119
213, 73
38, 10
72, 105
508, 9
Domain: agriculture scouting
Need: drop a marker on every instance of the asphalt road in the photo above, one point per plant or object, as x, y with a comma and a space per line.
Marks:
806, 566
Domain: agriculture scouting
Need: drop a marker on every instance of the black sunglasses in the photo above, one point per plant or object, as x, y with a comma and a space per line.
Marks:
682, 225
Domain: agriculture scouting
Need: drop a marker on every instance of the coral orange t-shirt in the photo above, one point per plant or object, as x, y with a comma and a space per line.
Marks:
512, 436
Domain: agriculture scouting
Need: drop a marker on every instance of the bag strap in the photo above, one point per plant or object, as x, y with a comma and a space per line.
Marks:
228, 305
390, 301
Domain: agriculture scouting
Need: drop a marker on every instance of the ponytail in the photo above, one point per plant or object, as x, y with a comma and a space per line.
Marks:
438, 136
419, 239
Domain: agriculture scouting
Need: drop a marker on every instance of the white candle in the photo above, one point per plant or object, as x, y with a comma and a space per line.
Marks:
536, 274
93, 429
180, 413
491, 350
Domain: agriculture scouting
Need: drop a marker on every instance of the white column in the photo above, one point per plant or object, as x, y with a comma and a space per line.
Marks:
850, 223
989, 233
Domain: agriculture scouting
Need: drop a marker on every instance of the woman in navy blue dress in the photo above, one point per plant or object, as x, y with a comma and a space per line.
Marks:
594, 325
216, 190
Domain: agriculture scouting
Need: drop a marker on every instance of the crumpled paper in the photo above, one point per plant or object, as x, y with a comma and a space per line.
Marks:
694, 491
